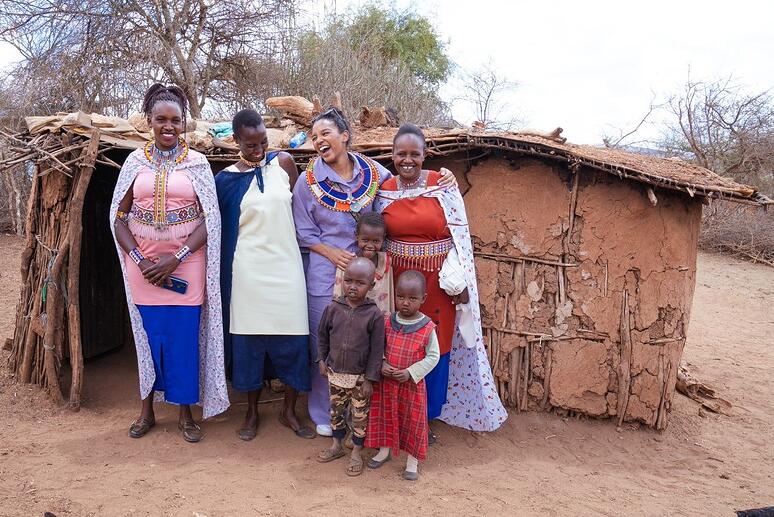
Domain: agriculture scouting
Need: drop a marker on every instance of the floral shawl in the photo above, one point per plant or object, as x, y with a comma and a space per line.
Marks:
213, 396
471, 401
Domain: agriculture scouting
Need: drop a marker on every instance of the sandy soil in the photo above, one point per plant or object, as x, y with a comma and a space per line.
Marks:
538, 464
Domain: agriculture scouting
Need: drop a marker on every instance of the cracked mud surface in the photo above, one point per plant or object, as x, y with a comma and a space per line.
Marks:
538, 464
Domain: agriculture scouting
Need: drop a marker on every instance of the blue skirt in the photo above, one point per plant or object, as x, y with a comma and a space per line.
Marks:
173, 336
437, 383
256, 358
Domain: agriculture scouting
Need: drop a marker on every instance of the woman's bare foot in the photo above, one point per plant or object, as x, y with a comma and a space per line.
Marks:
249, 428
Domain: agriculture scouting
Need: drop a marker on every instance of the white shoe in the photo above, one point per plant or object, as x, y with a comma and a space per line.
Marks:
324, 430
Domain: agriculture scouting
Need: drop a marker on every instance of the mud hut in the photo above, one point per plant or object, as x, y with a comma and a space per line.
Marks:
586, 258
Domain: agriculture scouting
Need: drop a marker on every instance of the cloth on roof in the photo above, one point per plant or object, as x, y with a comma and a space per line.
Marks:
221, 130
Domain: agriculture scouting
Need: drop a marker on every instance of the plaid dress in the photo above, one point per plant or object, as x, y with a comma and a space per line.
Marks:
398, 417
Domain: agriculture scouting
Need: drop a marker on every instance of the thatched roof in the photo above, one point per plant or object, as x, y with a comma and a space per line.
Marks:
673, 174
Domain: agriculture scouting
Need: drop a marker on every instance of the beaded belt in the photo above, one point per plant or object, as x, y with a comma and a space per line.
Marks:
180, 222
426, 256
181, 215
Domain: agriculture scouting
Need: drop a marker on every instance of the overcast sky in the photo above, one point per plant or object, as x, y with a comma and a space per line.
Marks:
593, 66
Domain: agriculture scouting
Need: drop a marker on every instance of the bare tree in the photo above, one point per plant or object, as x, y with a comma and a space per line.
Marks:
484, 89
100, 45
331, 61
622, 137
728, 130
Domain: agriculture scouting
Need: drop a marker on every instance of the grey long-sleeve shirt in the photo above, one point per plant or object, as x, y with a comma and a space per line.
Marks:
351, 340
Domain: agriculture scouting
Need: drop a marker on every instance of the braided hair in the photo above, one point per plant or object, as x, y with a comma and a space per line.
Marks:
338, 118
160, 93
410, 129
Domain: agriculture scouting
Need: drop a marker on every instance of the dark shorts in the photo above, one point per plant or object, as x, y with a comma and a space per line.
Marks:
258, 357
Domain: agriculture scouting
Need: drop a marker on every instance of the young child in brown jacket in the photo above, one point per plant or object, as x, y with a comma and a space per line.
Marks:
351, 346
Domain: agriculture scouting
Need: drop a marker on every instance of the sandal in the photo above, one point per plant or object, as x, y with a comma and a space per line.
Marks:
326, 455
375, 464
355, 468
192, 433
141, 426
410, 476
431, 438
302, 432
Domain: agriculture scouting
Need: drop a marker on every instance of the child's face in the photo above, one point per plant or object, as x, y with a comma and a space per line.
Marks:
370, 240
409, 296
358, 280
253, 142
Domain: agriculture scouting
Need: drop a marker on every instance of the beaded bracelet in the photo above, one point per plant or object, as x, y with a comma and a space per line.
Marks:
183, 253
136, 255
122, 216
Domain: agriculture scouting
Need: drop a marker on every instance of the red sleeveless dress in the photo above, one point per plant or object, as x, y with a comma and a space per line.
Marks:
398, 415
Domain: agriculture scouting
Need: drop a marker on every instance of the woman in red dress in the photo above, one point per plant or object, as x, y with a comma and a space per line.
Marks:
427, 231
418, 238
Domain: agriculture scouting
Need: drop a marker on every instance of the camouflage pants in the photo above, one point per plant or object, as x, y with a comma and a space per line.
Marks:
358, 405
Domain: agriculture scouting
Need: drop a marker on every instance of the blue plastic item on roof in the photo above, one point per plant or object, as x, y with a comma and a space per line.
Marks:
298, 139
221, 130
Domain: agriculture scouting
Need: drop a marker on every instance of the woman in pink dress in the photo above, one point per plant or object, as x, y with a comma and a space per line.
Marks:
167, 228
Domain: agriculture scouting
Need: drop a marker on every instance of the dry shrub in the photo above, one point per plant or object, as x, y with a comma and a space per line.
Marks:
14, 191
740, 230
364, 78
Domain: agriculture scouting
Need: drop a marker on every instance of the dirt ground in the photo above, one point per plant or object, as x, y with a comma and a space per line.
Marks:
84, 463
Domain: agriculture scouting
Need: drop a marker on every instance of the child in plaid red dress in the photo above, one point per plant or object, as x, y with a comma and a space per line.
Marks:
398, 417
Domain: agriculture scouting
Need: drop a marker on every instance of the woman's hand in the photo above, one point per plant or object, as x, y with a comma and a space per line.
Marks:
401, 375
323, 368
158, 273
463, 297
367, 389
447, 178
339, 257
144, 265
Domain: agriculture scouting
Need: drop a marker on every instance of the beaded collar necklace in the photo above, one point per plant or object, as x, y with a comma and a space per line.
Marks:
333, 197
419, 183
163, 163
248, 163
255, 168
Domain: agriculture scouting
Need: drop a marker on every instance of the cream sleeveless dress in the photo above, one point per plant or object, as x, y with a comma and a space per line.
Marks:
268, 287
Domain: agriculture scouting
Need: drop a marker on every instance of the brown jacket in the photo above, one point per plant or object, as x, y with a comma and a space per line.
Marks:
352, 340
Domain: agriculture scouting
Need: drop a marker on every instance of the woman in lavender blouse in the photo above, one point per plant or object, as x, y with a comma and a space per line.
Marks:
327, 199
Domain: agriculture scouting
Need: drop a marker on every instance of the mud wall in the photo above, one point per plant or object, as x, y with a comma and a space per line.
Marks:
585, 285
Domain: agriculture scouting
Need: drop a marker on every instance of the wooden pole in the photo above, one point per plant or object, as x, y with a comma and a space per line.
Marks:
55, 322
75, 235
624, 368
28, 355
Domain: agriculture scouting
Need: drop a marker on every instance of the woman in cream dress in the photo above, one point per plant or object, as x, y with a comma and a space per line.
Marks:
262, 278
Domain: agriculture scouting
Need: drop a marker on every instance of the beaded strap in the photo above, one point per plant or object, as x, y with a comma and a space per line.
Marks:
136, 256
183, 253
